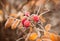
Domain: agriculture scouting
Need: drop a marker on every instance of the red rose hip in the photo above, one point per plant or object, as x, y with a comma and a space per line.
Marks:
27, 23
35, 18
23, 20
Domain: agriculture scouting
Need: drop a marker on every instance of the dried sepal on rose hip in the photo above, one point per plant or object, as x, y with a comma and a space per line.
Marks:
27, 23
27, 13
35, 18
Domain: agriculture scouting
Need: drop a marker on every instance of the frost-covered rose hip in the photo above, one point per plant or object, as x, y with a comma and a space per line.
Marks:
27, 23
35, 18
23, 20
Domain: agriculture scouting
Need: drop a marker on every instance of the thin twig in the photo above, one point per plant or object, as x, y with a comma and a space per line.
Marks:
39, 9
43, 13
41, 27
27, 36
21, 38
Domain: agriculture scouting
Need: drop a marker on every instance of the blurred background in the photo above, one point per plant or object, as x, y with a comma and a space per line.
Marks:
8, 7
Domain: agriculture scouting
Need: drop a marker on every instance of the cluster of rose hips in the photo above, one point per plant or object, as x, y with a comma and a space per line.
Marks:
26, 22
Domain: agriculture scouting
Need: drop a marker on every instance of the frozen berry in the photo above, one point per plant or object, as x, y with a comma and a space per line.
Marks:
27, 23
27, 13
23, 20
35, 18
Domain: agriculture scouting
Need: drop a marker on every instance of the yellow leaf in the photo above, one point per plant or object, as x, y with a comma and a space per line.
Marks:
33, 36
53, 37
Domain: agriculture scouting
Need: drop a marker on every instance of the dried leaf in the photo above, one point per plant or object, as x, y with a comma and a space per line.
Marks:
9, 22
46, 34
42, 19
38, 39
47, 39
15, 24
53, 37
1, 12
48, 27
33, 36
14, 15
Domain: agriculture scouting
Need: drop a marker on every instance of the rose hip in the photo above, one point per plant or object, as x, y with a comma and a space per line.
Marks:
23, 20
27, 23
35, 18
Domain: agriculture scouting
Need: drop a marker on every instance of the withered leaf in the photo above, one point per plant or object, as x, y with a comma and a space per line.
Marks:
48, 27
9, 22
13, 15
38, 39
33, 36
15, 24
1, 12
42, 19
